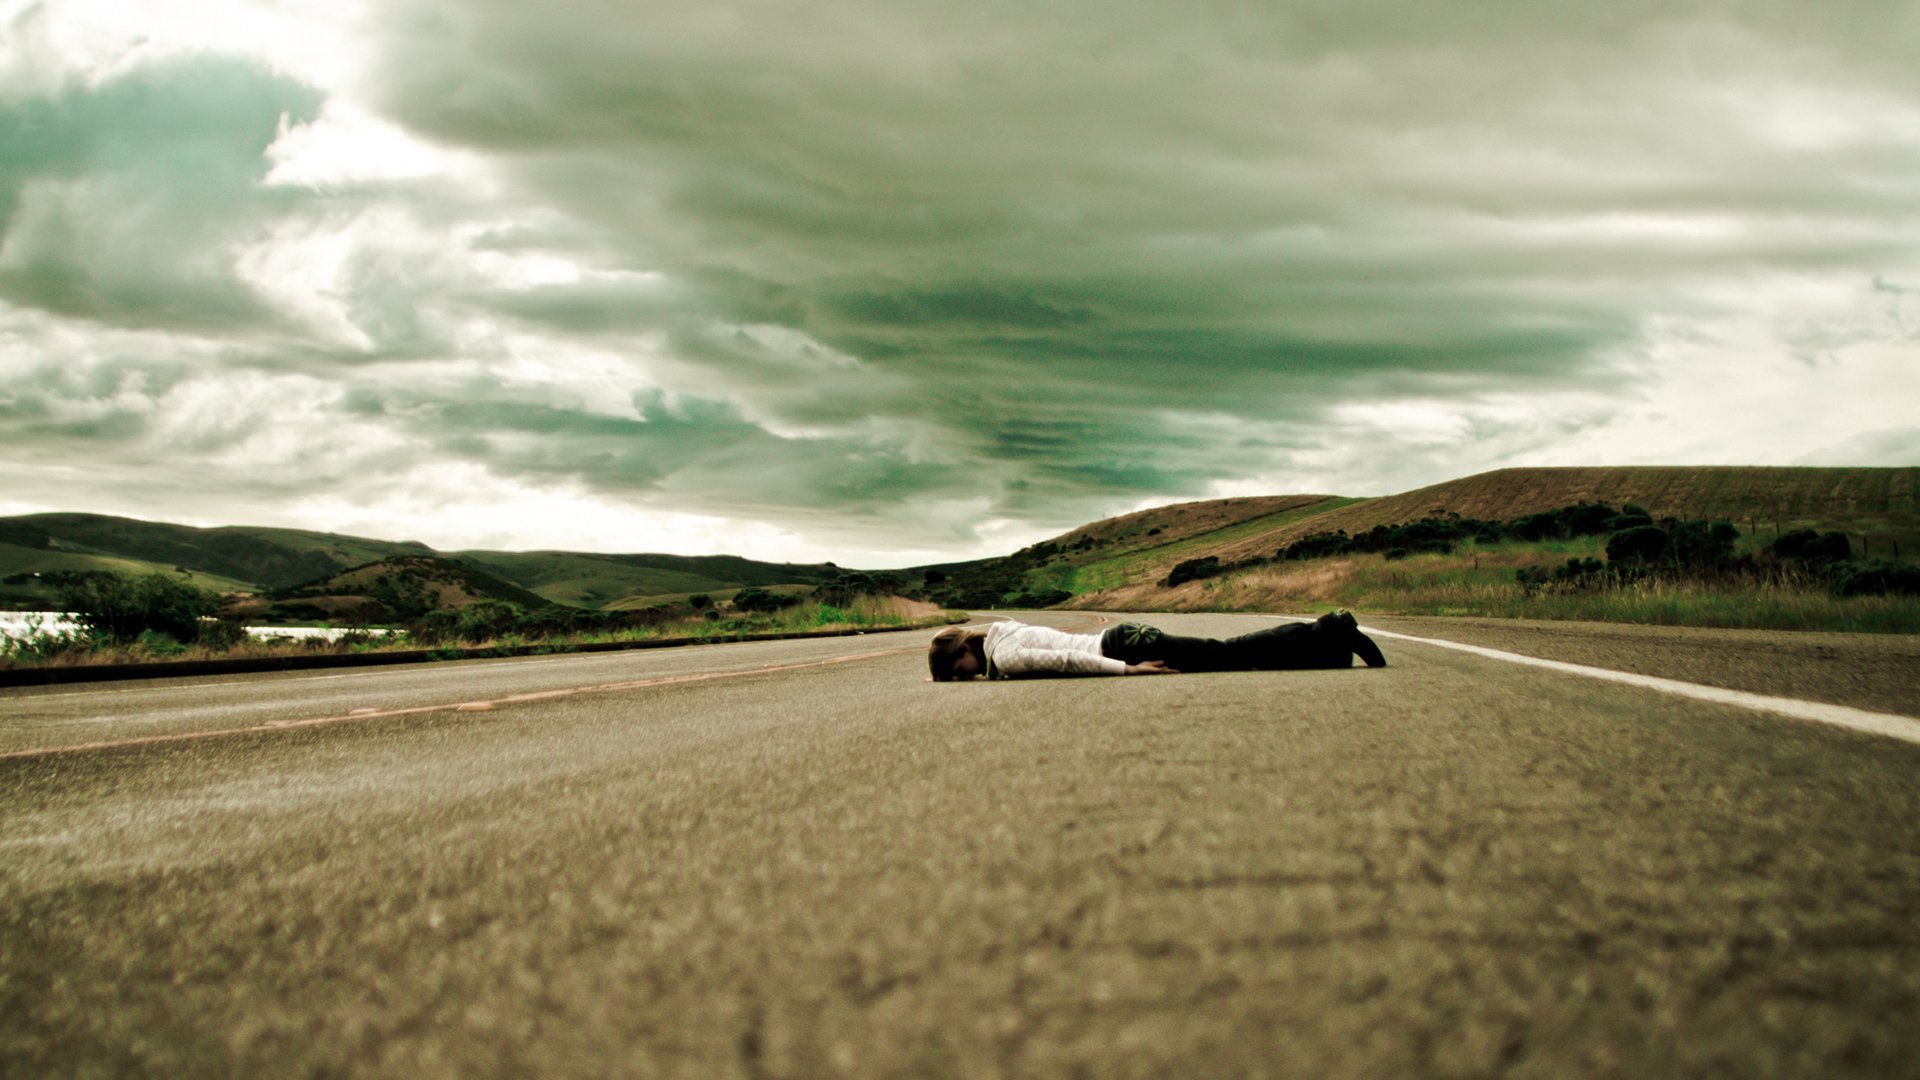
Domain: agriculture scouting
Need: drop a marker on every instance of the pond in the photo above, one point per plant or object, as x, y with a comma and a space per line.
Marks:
22, 623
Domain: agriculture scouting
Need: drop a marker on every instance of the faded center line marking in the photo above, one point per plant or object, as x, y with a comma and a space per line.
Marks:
1873, 723
360, 715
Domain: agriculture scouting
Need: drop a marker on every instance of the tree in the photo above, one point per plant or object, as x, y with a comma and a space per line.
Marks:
1810, 546
120, 608
754, 598
1639, 546
485, 619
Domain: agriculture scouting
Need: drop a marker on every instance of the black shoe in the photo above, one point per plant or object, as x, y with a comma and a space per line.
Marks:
1341, 626
1365, 649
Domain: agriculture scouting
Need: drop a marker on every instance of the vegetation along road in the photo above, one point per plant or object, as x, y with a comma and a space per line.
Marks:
802, 858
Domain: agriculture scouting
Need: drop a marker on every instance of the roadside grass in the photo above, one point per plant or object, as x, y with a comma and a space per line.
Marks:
1479, 581
39, 649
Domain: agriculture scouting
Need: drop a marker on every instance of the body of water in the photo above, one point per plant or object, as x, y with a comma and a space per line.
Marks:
22, 623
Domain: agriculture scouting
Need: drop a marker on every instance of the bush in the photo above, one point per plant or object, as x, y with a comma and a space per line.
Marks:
754, 598
221, 633
1041, 598
1587, 519
1193, 570
1575, 576
1542, 526
1875, 577
1639, 546
1704, 547
1810, 546
119, 608
484, 620
841, 592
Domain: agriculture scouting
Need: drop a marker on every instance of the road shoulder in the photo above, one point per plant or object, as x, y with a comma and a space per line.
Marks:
1879, 672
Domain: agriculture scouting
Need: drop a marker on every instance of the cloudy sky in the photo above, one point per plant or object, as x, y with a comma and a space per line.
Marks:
890, 281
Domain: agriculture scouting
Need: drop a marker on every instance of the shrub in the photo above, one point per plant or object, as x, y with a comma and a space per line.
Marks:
1875, 577
1193, 570
1542, 526
119, 608
1041, 598
1587, 519
1575, 576
841, 592
1810, 546
486, 619
221, 633
1639, 546
1704, 547
754, 598
1317, 545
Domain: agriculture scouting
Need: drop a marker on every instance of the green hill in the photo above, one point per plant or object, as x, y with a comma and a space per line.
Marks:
1878, 507
261, 560
1881, 505
252, 557
617, 581
388, 590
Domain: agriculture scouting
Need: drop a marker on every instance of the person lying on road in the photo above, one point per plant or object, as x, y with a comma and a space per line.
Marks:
1013, 650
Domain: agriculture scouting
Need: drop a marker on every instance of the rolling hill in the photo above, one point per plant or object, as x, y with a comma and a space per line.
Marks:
1878, 507
260, 560
388, 590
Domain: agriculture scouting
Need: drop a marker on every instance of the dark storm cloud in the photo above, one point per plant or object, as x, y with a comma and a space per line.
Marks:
1041, 231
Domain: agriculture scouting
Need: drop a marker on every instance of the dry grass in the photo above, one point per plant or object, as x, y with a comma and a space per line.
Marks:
1879, 505
1481, 583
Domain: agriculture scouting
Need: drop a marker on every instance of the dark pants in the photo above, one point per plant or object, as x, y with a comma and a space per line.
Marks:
1286, 647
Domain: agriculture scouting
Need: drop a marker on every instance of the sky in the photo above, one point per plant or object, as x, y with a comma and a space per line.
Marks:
889, 282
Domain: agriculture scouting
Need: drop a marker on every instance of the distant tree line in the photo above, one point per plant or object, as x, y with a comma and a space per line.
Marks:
490, 619
160, 609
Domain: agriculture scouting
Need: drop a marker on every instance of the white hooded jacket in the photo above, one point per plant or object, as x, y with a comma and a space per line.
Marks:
1016, 649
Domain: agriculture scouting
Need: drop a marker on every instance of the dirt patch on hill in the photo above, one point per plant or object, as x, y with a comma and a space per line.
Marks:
909, 610
1285, 587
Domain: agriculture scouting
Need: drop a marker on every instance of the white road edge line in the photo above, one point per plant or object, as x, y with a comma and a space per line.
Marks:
1874, 723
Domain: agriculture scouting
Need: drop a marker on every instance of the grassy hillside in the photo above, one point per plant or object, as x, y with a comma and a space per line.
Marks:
259, 557
621, 581
1112, 550
389, 590
1117, 563
1879, 508
260, 560
1114, 562
1880, 504
22, 588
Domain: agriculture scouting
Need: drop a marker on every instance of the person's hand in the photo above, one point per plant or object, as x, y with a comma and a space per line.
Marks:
1151, 667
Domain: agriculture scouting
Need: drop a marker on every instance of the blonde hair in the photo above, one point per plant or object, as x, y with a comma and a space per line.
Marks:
947, 647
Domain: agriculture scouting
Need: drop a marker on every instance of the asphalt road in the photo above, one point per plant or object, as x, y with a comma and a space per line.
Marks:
803, 859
